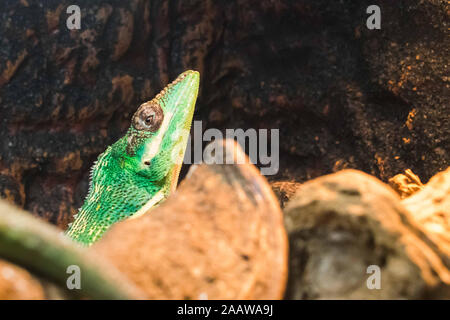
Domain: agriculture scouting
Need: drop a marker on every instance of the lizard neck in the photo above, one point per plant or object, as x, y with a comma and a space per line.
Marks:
115, 193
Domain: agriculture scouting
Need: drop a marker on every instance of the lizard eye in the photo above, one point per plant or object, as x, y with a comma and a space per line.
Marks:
148, 117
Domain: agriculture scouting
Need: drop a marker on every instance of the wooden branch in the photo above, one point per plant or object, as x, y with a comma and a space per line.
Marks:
44, 250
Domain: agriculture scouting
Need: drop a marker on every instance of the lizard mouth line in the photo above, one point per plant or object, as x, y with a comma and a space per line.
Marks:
154, 147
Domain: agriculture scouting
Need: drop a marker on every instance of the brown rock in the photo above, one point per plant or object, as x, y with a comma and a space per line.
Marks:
430, 207
341, 224
17, 284
220, 236
406, 184
430, 212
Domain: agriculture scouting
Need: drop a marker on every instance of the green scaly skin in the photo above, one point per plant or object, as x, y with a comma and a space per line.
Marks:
141, 169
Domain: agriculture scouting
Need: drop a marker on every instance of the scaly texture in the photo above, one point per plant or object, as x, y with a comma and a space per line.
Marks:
141, 169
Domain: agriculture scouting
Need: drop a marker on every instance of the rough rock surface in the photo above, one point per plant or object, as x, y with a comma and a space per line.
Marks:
342, 96
17, 284
340, 224
406, 184
220, 236
430, 210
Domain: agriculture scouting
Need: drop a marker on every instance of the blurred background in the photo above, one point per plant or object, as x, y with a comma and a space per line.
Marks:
343, 96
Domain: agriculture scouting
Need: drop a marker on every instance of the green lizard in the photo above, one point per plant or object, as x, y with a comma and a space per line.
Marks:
141, 169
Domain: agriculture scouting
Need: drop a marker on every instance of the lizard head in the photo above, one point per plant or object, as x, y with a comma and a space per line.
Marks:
141, 169
157, 138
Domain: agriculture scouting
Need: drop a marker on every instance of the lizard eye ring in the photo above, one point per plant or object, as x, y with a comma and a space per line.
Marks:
149, 117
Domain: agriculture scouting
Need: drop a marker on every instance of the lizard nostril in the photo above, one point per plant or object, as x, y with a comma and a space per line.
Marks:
147, 162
